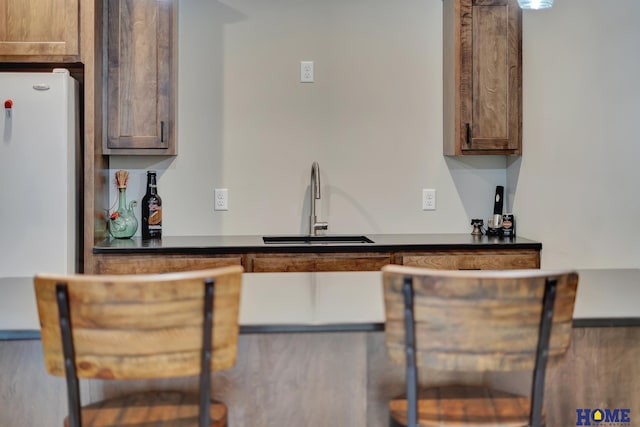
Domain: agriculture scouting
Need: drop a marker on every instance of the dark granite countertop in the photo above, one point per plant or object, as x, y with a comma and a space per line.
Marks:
245, 244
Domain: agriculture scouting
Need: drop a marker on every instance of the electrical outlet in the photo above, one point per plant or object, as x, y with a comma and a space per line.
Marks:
428, 199
221, 196
306, 71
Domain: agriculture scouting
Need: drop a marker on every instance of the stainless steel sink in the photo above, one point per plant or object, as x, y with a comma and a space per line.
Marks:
292, 240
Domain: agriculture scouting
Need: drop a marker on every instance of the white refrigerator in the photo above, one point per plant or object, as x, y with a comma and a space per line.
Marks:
39, 172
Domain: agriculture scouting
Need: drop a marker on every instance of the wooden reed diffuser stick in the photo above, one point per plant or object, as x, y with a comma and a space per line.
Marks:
121, 178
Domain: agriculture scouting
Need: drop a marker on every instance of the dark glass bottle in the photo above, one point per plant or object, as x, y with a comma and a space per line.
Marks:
151, 210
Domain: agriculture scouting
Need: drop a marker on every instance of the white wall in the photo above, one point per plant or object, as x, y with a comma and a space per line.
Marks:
372, 119
576, 186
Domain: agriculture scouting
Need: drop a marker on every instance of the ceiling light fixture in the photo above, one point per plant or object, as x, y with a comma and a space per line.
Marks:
535, 4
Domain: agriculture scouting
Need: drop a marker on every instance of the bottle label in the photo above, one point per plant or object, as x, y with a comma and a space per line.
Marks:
508, 222
155, 216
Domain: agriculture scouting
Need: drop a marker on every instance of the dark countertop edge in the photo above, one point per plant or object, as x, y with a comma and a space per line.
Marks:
615, 322
311, 248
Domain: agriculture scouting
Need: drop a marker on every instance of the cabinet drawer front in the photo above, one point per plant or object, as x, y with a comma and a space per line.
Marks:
148, 264
472, 261
312, 262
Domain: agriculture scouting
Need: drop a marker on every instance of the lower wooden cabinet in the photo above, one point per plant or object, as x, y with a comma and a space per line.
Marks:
301, 262
474, 260
146, 264
318, 262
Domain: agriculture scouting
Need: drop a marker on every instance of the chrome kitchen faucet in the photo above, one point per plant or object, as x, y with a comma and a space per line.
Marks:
314, 193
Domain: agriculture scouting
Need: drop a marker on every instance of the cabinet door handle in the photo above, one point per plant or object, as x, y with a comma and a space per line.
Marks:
468, 134
162, 131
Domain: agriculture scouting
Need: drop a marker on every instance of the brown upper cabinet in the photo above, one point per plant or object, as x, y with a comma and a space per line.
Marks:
482, 77
39, 30
140, 72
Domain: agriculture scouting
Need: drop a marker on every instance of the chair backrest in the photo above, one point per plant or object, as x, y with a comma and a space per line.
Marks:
139, 326
477, 320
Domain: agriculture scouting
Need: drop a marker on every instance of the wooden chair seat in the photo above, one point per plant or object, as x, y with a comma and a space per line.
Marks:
158, 409
465, 405
148, 409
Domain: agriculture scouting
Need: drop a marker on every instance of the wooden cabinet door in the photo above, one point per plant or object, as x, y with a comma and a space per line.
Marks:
152, 264
317, 262
39, 28
483, 77
140, 86
475, 260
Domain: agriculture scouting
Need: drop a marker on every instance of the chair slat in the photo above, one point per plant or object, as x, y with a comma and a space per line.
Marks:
507, 337
115, 367
122, 342
436, 309
124, 315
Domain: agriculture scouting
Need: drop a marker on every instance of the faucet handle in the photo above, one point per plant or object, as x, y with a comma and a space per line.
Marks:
320, 226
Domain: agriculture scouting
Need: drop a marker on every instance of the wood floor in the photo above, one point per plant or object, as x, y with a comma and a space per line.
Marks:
279, 380
332, 379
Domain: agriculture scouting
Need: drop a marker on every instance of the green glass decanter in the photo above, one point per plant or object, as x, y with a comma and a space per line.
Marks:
123, 223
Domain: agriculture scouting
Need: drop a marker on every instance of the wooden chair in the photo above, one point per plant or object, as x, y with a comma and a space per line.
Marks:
141, 327
475, 321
